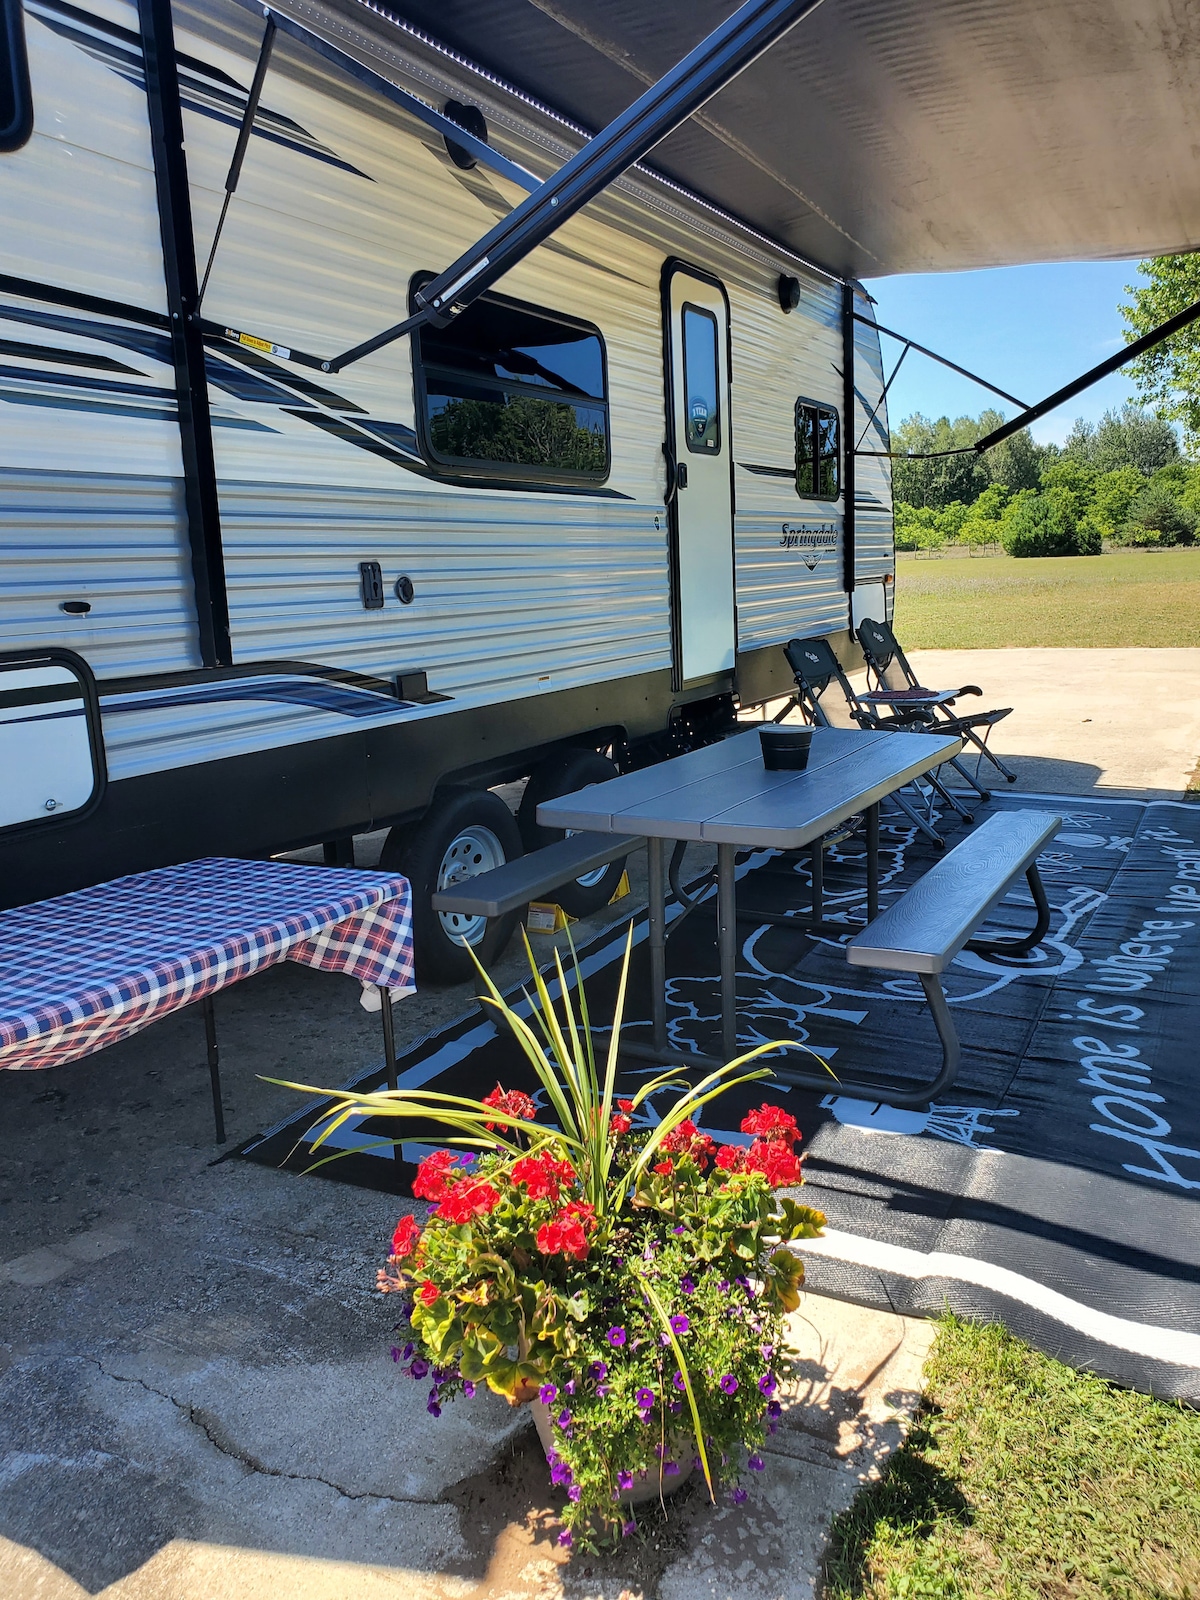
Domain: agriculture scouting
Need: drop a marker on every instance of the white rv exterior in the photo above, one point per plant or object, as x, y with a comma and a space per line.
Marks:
544, 615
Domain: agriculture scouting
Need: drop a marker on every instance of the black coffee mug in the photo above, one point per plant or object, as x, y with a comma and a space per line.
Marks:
785, 749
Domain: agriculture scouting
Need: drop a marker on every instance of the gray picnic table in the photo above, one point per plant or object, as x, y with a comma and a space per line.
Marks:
723, 795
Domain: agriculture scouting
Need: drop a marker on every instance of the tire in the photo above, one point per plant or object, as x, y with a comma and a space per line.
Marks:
465, 832
563, 774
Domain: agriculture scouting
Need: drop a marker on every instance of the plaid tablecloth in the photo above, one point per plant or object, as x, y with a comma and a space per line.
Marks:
81, 971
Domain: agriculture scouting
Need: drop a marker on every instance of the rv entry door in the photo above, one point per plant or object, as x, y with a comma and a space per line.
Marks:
701, 496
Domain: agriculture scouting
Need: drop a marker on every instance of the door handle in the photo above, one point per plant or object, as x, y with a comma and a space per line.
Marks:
681, 475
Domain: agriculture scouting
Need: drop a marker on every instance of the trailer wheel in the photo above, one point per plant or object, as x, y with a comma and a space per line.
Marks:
563, 774
464, 833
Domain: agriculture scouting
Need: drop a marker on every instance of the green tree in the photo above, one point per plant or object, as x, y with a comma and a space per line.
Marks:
1129, 437
1112, 495
936, 483
1168, 377
1158, 517
1016, 462
520, 430
1046, 525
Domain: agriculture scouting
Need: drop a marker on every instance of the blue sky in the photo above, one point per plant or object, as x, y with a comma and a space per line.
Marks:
1028, 329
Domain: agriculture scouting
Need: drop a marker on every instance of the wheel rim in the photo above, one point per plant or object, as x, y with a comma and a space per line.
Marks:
589, 879
472, 851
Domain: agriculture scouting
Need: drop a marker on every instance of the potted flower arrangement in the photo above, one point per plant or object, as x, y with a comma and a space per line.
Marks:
626, 1277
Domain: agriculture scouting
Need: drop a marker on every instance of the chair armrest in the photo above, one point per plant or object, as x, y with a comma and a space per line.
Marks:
968, 688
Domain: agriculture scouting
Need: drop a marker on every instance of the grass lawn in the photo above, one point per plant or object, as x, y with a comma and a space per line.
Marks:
1025, 1480
1131, 597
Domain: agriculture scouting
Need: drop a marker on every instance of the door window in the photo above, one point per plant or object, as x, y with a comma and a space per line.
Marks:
701, 389
818, 451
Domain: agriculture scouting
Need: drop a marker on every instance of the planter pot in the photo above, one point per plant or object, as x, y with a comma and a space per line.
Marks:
646, 1486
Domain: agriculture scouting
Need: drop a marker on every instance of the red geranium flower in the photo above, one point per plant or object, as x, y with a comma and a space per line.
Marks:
568, 1233
512, 1101
731, 1158
404, 1240
625, 1105
664, 1168
542, 1176
619, 1123
770, 1122
435, 1175
687, 1140
471, 1198
428, 1293
779, 1164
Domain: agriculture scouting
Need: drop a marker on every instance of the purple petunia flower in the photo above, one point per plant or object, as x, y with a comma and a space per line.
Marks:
671, 1469
627, 1528
395, 1353
738, 1496
602, 1391
560, 1472
679, 1383
767, 1384
564, 1538
645, 1398
420, 1367
564, 1419
755, 1463
434, 1409
680, 1324
729, 1384
687, 1286
599, 1371
675, 1407
774, 1409
678, 1228
616, 1337
574, 1492
624, 1480
548, 1394
723, 1286
569, 1386
407, 1351
468, 1389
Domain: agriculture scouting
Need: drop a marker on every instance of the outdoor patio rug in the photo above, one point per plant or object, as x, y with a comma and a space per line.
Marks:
1058, 1193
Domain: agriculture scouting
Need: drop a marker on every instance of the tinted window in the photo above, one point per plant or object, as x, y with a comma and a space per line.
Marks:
700, 380
818, 451
16, 106
514, 390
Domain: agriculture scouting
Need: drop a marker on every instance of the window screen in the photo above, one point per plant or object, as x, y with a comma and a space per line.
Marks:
701, 370
818, 451
16, 105
509, 390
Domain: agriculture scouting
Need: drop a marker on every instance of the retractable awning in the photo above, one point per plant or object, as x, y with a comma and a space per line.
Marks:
889, 136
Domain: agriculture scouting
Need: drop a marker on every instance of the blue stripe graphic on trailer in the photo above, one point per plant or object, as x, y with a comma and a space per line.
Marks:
317, 695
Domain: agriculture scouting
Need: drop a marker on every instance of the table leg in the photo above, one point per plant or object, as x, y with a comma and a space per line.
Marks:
657, 940
214, 1066
389, 1043
872, 862
817, 859
727, 926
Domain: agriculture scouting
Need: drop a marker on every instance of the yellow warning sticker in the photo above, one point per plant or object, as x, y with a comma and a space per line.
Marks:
264, 345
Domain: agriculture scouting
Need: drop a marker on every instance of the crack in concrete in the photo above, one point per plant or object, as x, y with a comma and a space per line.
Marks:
208, 1425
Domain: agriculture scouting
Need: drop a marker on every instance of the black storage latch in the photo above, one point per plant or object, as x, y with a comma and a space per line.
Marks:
370, 577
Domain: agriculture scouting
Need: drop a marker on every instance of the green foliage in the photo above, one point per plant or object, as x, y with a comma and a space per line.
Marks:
1168, 376
558, 1261
1112, 495
1047, 524
1021, 1480
519, 430
936, 483
1129, 437
1158, 518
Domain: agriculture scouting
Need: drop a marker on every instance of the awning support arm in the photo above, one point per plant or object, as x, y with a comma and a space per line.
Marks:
239, 149
691, 83
875, 408
933, 356
1181, 319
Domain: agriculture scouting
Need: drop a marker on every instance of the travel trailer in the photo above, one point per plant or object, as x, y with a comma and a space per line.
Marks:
253, 599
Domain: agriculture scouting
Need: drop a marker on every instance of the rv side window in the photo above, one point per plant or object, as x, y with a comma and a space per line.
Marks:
511, 391
818, 446
700, 369
16, 102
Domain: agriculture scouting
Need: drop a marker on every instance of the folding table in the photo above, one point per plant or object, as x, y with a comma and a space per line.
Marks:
85, 969
723, 795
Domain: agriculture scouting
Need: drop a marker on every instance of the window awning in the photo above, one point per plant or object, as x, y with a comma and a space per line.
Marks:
890, 136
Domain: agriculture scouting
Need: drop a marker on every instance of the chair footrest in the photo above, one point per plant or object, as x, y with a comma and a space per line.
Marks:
506, 888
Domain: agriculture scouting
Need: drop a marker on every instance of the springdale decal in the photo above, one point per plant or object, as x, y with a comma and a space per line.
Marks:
813, 540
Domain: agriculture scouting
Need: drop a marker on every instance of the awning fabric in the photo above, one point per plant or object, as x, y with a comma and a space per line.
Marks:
889, 136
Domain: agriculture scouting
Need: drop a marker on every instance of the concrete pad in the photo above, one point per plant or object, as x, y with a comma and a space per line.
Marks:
1083, 720
856, 1385
36, 1268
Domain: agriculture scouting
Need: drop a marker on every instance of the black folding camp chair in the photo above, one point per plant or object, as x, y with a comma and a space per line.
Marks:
895, 687
826, 698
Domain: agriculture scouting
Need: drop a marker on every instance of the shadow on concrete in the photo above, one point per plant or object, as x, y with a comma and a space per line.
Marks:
1042, 775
